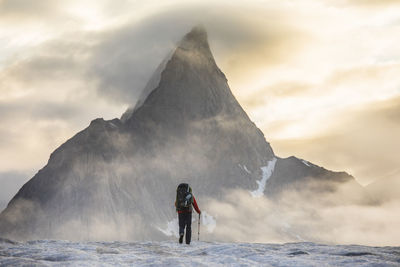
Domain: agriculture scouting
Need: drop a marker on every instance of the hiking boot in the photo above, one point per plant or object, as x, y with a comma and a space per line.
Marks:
180, 239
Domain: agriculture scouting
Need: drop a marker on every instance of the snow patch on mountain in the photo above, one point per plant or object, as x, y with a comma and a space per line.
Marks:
266, 174
306, 163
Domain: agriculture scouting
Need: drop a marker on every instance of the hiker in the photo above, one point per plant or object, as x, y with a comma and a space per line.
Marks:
183, 204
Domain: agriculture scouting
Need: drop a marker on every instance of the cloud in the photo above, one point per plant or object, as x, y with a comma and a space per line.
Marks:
300, 109
363, 141
364, 5
45, 99
25, 8
43, 110
373, 3
361, 75
301, 217
386, 188
126, 57
280, 90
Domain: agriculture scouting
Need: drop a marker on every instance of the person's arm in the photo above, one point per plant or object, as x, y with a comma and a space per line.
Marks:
195, 206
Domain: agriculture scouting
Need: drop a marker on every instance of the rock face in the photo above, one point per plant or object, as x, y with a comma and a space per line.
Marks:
121, 175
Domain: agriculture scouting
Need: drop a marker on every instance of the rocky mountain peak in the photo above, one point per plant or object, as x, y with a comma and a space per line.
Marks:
187, 85
192, 55
196, 39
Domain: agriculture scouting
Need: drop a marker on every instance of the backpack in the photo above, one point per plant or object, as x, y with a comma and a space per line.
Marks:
184, 198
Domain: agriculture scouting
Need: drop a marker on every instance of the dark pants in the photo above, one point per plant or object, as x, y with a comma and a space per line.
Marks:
185, 220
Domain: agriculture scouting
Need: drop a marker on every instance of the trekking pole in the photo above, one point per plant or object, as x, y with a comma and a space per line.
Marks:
198, 229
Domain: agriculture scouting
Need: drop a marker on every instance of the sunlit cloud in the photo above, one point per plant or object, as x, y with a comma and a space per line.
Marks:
363, 134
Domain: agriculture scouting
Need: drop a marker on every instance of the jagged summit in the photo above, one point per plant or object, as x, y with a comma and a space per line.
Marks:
196, 39
197, 34
189, 70
188, 84
193, 47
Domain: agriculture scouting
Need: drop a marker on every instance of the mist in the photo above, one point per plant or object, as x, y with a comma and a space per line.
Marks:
301, 217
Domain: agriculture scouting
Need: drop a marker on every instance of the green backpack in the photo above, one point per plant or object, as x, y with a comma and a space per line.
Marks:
184, 198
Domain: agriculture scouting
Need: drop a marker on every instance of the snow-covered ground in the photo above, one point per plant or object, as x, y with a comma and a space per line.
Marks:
170, 253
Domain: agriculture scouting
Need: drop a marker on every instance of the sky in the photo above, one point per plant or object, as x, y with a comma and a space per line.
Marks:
319, 78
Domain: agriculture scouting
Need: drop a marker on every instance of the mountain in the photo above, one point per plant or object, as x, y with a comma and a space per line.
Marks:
120, 176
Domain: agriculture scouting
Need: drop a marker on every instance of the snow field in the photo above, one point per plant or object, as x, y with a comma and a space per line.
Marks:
168, 253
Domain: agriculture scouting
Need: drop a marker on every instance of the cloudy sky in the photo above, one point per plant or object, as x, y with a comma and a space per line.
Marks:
320, 78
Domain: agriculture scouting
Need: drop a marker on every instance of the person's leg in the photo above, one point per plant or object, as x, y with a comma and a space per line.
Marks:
182, 222
188, 228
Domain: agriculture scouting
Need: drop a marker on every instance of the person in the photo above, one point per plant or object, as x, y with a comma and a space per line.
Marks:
184, 202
